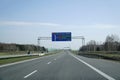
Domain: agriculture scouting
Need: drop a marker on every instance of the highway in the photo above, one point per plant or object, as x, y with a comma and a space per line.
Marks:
62, 66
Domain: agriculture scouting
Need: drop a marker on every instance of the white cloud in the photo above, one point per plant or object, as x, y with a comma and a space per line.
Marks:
104, 26
92, 26
17, 23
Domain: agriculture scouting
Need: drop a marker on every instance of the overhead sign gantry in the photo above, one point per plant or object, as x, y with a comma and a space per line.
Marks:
61, 36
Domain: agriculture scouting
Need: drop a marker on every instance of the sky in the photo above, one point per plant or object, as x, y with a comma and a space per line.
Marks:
23, 21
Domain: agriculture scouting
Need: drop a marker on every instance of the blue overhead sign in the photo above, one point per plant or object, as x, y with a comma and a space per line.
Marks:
61, 36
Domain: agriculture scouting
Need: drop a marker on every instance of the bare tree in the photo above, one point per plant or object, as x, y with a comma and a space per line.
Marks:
92, 45
111, 42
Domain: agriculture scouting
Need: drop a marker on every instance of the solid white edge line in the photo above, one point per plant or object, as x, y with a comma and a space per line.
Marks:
95, 69
30, 73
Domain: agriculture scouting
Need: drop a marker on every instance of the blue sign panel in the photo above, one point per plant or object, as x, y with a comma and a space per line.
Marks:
61, 36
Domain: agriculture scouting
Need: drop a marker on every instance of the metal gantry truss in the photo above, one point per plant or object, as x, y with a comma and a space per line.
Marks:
42, 38
80, 37
74, 37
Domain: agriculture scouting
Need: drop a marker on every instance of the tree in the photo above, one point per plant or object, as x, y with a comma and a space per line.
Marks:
111, 43
92, 45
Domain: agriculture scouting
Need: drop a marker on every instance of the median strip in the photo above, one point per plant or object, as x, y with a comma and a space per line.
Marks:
15, 59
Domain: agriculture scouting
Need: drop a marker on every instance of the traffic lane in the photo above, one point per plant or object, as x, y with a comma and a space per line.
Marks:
112, 68
31, 60
16, 72
66, 68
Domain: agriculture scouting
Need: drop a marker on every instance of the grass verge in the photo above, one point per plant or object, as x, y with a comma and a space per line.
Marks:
109, 56
13, 53
15, 59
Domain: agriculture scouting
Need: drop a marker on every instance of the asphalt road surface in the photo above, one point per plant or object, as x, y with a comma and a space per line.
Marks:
62, 66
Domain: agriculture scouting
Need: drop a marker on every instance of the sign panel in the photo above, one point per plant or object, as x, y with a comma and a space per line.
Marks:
61, 36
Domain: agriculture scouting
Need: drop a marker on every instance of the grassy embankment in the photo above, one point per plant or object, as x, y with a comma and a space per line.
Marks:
111, 55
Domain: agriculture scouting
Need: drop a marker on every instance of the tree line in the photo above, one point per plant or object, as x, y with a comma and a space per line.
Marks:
5, 47
112, 43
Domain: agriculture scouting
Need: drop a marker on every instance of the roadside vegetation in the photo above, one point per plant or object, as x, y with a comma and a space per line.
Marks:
7, 49
14, 49
110, 49
15, 59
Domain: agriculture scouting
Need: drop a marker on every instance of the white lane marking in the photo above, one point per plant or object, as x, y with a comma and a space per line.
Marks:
9, 64
48, 62
95, 69
30, 74
14, 63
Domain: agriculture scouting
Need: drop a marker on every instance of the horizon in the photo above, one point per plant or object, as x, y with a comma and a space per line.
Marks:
23, 21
